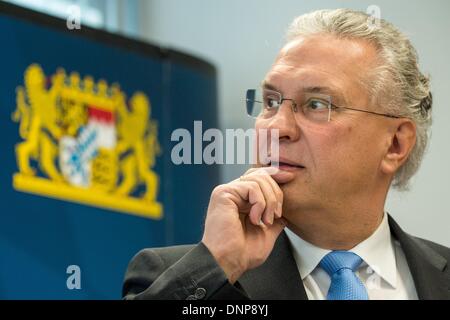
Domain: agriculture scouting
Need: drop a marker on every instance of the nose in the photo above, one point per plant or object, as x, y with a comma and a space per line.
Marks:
285, 121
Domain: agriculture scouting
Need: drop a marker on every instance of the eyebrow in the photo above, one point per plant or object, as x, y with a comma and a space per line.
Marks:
312, 89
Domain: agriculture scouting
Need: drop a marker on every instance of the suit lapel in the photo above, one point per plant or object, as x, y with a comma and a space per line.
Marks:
278, 278
425, 264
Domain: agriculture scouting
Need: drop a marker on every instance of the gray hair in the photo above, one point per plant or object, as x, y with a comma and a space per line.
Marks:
396, 83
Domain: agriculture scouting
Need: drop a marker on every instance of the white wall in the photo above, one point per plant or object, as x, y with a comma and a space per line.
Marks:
120, 16
242, 37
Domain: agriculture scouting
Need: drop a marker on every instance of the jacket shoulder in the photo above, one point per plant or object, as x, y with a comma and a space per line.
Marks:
440, 249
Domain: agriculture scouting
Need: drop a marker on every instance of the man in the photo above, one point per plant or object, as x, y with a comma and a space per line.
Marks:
352, 112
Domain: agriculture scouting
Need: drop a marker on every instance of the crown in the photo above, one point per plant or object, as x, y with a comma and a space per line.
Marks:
71, 87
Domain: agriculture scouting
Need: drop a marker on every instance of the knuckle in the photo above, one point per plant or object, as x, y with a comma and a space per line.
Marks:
218, 190
253, 185
222, 191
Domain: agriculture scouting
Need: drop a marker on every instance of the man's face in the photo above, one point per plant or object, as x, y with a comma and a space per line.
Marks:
341, 158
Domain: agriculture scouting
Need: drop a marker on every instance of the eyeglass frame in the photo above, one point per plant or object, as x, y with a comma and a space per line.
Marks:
330, 107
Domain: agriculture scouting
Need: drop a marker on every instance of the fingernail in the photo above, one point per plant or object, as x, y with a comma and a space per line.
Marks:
280, 208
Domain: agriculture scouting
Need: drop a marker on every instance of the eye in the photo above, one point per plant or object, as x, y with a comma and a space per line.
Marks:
271, 102
315, 104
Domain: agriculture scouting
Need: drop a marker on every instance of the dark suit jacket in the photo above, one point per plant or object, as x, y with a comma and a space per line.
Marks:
191, 272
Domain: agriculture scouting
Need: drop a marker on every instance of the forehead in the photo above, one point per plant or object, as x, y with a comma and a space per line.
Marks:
323, 60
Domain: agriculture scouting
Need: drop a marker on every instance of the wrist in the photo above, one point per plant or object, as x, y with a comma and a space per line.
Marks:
230, 265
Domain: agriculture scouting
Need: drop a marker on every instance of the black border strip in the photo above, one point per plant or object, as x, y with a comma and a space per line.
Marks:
135, 45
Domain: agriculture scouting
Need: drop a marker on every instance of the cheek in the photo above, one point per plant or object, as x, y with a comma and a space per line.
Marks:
338, 148
325, 143
353, 150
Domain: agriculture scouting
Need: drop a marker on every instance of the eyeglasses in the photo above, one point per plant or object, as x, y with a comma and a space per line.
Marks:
315, 107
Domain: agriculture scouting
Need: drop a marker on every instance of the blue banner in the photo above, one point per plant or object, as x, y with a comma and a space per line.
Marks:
87, 180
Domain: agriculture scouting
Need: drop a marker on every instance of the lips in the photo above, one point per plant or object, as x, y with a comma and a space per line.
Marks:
286, 164
285, 169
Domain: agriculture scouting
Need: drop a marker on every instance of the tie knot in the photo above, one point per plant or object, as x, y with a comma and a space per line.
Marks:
337, 260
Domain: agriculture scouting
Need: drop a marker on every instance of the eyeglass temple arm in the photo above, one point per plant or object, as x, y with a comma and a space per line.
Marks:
372, 112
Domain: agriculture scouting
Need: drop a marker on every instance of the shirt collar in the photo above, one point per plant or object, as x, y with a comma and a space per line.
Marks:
307, 255
377, 251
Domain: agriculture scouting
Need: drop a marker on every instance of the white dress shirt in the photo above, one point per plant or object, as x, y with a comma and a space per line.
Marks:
384, 270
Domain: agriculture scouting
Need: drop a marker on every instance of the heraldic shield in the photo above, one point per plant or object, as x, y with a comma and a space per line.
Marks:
84, 142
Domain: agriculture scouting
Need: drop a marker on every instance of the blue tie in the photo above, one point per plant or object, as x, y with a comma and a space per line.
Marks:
345, 285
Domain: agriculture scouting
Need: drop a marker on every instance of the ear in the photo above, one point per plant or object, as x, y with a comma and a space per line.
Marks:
401, 142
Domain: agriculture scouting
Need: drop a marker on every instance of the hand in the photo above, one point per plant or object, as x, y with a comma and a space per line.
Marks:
244, 219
